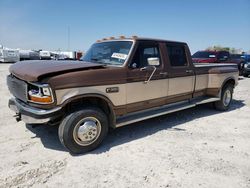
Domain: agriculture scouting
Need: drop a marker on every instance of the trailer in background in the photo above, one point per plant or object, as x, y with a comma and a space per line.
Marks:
45, 54
9, 55
68, 55
29, 55
14, 55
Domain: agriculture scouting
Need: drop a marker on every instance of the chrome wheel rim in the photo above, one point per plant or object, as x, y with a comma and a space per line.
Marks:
227, 97
87, 131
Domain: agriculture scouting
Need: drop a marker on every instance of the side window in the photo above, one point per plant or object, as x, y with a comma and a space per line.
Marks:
143, 52
226, 55
177, 55
149, 52
223, 55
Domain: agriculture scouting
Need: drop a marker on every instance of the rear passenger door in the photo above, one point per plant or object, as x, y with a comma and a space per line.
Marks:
180, 71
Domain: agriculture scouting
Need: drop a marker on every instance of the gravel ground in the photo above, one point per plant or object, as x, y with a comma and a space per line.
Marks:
198, 147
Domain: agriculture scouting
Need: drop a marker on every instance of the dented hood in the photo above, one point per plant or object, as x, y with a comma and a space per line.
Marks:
33, 70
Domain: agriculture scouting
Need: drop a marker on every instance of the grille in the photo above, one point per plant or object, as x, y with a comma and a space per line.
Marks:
17, 87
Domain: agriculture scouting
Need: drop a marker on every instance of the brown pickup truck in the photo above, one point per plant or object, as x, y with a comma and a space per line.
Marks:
118, 82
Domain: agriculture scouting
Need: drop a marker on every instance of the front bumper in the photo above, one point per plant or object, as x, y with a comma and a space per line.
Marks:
246, 71
31, 115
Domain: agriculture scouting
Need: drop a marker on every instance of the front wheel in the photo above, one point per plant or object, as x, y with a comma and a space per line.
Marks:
226, 98
83, 130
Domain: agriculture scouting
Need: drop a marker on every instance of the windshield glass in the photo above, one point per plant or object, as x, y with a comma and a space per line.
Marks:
112, 53
204, 55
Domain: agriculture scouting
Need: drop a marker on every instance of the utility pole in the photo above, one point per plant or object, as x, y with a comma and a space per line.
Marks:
68, 38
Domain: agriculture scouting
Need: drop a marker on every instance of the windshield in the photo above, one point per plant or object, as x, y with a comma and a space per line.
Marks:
112, 53
204, 55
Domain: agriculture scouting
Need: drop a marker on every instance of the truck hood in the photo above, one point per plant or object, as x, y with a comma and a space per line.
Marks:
32, 71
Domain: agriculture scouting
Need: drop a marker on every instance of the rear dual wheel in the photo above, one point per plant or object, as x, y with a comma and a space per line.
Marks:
83, 130
226, 98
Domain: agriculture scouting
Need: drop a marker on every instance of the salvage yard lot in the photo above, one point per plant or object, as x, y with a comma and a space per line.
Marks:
198, 147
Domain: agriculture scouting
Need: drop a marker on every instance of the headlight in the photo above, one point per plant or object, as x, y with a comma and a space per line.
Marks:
246, 64
40, 94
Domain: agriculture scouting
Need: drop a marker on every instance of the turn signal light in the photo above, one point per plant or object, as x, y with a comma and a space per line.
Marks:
43, 99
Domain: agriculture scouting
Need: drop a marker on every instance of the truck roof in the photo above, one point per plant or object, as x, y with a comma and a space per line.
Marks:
135, 38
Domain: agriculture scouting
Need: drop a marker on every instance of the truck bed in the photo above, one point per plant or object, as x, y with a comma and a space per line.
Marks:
215, 68
212, 65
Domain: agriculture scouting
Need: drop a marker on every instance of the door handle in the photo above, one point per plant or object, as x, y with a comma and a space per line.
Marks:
189, 71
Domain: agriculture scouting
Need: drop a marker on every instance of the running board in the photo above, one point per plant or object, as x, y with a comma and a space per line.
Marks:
158, 111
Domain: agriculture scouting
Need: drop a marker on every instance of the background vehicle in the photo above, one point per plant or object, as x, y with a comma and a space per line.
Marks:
9, 55
218, 57
29, 55
246, 66
118, 82
45, 55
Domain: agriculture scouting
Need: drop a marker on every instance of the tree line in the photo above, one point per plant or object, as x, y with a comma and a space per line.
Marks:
229, 49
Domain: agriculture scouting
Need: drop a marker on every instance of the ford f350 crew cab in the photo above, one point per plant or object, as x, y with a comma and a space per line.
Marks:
118, 82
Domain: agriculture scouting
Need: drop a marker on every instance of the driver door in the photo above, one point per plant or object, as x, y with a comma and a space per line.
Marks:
143, 93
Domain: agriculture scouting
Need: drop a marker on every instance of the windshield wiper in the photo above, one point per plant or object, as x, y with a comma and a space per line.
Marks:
103, 63
94, 59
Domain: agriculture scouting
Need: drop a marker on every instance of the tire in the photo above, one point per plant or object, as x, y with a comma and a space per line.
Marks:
226, 98
83, 130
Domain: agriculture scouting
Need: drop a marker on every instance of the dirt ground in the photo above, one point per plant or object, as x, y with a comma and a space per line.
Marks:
198, 147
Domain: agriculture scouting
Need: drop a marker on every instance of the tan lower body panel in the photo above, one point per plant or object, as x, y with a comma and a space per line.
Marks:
118, 98
136, 96
133, 92
181, 85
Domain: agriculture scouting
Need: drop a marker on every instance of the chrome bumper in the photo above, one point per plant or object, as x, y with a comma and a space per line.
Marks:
31, 115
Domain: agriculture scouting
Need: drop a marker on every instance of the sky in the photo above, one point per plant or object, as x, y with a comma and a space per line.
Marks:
46, 24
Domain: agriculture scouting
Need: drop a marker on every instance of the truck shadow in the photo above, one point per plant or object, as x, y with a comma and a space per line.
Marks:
48, 136
166, 122
119, 136
7, 63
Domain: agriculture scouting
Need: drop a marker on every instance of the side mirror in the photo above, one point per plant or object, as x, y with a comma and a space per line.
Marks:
153, 61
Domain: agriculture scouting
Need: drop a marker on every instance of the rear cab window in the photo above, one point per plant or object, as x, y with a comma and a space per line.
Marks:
177, 55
